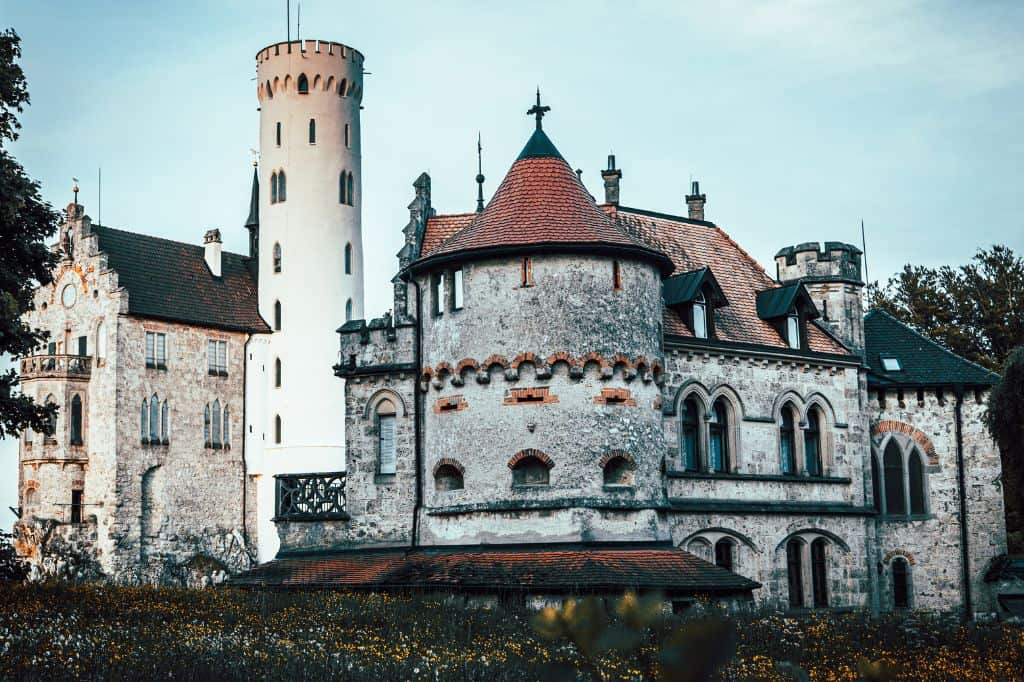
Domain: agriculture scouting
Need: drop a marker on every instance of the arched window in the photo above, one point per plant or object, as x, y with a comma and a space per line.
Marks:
892, 462
387, 457
277, 316
348, 310
101, 340
227, 427
900, 583
618, 471
700, 317
144, 422
277, 429
154, 419
312, 131
348, 136
915, 478
216, 424
350, 189
303, 84
819, 572
342, 188
794, 571
690, 437
724, 550
277, 257
76, 420
876, 483
51, 420
530, 471
718, 432
164, 426
787, 440
812, 444
273, 187
448, 477
277, 373
31, 497
348, 258
700, 547
206, 427
281, 194
277, 134
343, 87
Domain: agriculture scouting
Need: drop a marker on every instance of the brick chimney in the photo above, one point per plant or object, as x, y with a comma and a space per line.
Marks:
695, 202
611, 182
211, 249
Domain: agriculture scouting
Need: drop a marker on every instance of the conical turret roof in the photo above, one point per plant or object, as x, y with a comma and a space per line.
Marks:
253, 221
541, 206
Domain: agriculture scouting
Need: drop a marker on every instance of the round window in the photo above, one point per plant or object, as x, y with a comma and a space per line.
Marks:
69, 295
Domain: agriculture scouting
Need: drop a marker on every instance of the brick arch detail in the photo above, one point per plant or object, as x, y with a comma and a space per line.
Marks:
889, 556
917, 435
612, 454
530, 452
648, 370
448, 461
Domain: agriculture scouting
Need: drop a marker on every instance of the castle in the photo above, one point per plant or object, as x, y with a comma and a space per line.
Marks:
568, 396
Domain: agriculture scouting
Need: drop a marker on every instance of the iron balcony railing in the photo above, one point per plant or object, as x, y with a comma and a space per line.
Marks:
56, 367
311, 497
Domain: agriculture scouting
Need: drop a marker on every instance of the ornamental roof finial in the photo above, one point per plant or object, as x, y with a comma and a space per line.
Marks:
537, 110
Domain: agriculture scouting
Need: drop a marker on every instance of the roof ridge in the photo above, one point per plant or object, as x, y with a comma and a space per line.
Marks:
930, 340
163, 239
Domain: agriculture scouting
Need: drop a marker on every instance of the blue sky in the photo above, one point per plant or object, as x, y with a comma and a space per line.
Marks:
799, 118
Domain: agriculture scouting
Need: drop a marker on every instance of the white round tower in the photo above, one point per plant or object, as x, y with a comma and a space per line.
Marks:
310, 254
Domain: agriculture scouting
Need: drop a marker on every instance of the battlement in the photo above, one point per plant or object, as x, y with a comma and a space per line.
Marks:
309, 46
838, 261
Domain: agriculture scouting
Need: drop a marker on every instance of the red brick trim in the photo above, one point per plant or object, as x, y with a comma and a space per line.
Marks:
900, 552
451, 403
494, 360
593, 357
893, 426
561, 356
612, 454
450, 462
615, 396
443, 369
530, 396
467, 363
530, 452
623, 359
426, 373
525, 357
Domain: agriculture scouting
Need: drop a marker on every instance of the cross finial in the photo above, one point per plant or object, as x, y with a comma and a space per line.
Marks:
537, 110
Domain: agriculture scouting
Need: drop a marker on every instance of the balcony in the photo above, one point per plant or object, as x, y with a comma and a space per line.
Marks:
56, 367
311, 497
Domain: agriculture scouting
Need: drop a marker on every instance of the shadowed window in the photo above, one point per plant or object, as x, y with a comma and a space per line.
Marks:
303, 84
895, 497
76, 420
718, 432
530, 471
277, 134
819, 572
794, 567
915, 477
724, 550
876, 483
277, 429
312, 131
144, 422
787, 440
900, 583
690, 436
812, 444
348, 258
277, 373
618, 471
277, 257
447, 477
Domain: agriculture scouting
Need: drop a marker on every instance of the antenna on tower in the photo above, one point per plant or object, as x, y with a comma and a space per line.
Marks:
298, 26
864, 248
99, 194
479, 175
288, 20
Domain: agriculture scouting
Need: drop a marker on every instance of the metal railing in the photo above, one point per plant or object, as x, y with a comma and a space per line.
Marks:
311, 497
56, 367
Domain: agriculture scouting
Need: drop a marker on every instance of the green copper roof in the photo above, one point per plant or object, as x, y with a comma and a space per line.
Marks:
539, 146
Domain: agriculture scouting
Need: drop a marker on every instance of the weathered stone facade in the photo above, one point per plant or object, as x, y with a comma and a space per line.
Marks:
103, 497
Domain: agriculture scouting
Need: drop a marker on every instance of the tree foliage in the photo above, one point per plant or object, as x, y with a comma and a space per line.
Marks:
975, 310
25, 262
1005, 415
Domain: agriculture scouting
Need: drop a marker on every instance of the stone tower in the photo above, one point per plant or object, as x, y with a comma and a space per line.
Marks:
310, 258
833, 278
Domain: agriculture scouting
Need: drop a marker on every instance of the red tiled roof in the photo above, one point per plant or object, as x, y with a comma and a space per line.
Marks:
542, 568
696, 244
441, 227
540, 202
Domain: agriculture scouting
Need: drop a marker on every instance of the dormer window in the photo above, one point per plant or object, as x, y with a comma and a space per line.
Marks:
793, 330
891, 364
694, 296
700, 317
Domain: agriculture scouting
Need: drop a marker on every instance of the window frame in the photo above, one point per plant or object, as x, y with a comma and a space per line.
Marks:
156, 350
795, 572
526, 273
794, 331
725, 553
386, 417
718, 427
819, 550
701, 329
686, 425
76, 435
457, 291
787, 433
527, 464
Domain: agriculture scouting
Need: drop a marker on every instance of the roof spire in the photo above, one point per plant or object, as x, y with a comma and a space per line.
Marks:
479, 175
537, 110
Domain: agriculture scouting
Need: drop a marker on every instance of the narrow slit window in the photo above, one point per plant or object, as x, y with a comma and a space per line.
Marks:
793, 331
457, 289
342, 185
616, 275
348, 258
277, 133
277, 316
277, 257
526, 275
281, 195
348, 136
312, 131
437, 293
700, 317
387, 454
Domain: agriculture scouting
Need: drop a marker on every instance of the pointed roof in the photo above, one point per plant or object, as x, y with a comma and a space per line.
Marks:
254, 202
541, 205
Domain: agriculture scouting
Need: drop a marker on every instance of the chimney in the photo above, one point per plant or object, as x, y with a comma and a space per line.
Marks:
695, 202
211, 248
611, 182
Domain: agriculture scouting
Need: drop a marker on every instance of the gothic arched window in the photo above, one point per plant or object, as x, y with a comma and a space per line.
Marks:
227, 427
690, 436
812, 444
895, 497
348, 258
281, 194
348, 310
787, 439
795, 572
51, 420
206, 427
144, 422
76, 420
303, 84
915, 479
277, 429
273, 187
312, 131
350, 189
819, 572
342, 188
387, 456
277, 316
154, 419
277, 257
718, 434
277, 373
216, 424
724, 553
164, 426
277, 134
